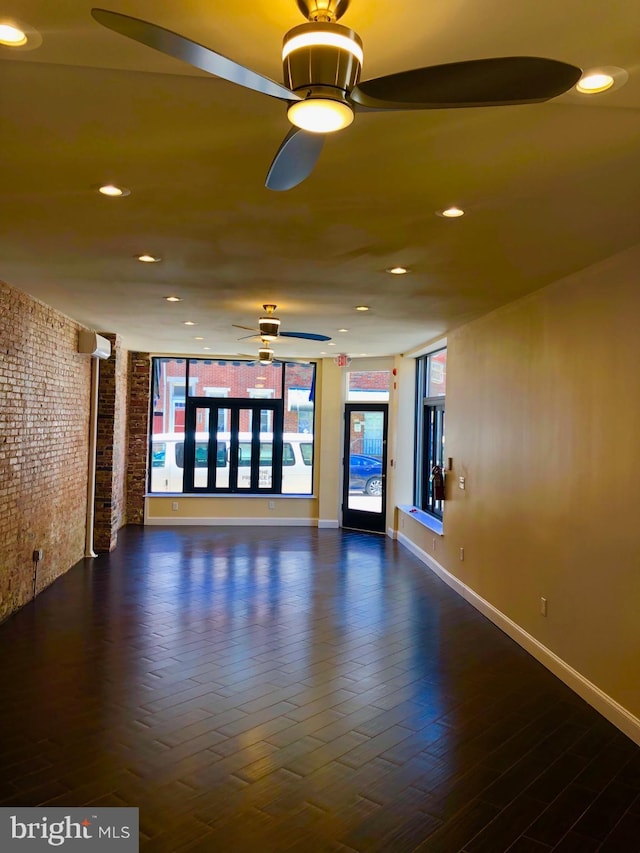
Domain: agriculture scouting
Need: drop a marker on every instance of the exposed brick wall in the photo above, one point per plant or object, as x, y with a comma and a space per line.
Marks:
137, 444
110, 498
44, 427
120, 438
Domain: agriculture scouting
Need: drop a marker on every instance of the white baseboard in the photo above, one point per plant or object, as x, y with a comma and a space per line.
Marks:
598, 699
172, 521
329, 523
392, 533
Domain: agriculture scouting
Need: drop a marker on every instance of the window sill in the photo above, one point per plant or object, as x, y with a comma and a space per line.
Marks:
200, 495
423, 518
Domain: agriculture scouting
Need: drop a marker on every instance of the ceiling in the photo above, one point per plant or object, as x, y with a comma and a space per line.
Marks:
548, 189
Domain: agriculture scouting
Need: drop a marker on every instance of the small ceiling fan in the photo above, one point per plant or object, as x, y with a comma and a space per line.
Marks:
267, 356
322, 62
269, 328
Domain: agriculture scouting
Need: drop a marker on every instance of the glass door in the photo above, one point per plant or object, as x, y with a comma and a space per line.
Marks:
365, 466
232, 446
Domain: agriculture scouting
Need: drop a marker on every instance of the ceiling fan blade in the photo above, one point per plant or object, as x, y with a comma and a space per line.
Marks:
191, 52
248, 328
309, 336
294, 160
477, 83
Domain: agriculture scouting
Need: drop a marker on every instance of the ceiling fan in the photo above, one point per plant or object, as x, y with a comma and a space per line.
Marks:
267, 356
322, 62
269, 328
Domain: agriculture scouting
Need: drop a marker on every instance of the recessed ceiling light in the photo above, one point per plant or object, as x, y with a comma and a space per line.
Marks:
149, 259
363, 353
362, 307
603, 79
323, 352
190, 323
12, 36
591, 84
331, 344
206, 347
113, 191
397, 270
18, 35
343, 330
451, 212
173, 298
198, 338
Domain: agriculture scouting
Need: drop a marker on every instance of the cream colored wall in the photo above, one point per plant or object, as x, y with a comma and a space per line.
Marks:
404, 431
232, 508
543, 421
328, 451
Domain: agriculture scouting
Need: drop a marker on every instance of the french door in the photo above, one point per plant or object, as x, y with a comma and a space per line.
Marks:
233, 446
364, 501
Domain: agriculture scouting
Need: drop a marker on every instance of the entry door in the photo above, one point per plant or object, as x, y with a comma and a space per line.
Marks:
365, 465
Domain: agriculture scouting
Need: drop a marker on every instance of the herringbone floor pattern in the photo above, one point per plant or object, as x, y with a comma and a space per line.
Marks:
295, 689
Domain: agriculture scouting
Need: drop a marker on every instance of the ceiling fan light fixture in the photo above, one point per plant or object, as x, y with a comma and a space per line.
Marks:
320, 115
265, 355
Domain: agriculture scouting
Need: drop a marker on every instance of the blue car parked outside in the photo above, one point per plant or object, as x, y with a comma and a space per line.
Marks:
365, 473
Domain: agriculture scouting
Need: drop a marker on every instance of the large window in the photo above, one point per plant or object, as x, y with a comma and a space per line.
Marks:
430, 436
242, 428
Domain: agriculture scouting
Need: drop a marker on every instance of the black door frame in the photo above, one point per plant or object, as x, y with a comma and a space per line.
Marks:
361, 519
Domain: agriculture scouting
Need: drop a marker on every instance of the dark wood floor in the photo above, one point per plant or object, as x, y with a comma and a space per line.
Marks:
295, 689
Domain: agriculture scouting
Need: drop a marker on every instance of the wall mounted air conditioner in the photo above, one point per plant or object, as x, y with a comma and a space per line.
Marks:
94, 344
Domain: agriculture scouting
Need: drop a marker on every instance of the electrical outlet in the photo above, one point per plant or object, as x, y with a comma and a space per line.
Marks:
272, 504
462, 553
174, 506
37, 555
462, 483
543, 606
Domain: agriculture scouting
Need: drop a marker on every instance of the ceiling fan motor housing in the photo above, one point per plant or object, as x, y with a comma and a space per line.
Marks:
322, 60
269, 328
